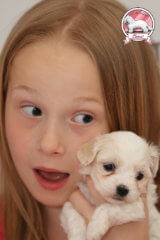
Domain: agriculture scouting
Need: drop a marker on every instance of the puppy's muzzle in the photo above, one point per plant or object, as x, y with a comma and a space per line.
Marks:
122, 190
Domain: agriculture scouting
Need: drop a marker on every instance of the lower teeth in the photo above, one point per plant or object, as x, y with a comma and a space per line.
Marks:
55, 180
50, 177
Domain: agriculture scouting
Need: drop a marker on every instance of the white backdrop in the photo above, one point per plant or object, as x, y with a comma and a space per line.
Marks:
11, 10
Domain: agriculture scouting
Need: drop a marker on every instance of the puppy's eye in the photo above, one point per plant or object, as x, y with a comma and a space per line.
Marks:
140, 176
109, 167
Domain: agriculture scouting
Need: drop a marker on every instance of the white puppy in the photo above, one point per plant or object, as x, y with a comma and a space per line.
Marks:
132, 24
122, 166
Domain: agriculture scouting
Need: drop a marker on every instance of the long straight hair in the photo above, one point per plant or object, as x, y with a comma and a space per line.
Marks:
129, 79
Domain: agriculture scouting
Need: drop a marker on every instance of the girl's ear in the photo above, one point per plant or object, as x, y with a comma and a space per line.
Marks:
155, 157
87, 152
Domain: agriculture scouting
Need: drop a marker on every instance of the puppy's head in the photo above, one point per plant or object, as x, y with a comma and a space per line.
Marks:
120, 164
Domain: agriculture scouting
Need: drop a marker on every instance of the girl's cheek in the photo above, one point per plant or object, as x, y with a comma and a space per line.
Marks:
85, 130
23, 121
17, 127
77, 166
27, 123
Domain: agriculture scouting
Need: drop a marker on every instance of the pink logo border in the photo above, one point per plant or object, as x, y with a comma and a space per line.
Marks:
137, 36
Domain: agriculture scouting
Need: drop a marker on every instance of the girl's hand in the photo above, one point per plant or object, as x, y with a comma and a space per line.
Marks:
129, 231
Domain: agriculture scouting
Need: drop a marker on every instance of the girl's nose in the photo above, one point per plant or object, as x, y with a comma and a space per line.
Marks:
52, 142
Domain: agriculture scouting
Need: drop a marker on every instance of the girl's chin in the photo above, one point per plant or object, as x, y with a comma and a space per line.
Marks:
54, 203
53, 199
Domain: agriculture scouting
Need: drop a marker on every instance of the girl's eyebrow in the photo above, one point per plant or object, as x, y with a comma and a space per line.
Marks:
78, 99
26, 88
89, 99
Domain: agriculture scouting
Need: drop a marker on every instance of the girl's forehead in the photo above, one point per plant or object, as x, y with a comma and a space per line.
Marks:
50, 58
53, 52
58, 67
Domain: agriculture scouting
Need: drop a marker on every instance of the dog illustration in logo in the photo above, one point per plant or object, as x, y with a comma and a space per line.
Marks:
133, 24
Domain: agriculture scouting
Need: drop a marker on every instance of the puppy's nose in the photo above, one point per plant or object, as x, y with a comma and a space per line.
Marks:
122, 190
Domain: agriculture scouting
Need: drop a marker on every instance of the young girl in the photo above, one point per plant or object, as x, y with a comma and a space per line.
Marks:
65, 62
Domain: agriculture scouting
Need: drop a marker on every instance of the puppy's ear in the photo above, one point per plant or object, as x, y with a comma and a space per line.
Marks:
155, 157
87, 152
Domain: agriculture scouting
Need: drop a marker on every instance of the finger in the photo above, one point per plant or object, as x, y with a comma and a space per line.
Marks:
82, 205
98, 199
145, 202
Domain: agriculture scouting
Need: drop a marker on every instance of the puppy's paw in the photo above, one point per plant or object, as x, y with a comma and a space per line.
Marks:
99, 224
95, 232
73, 223
66, 210
93, 236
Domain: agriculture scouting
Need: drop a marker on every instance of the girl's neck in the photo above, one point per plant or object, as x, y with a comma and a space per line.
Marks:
54, 228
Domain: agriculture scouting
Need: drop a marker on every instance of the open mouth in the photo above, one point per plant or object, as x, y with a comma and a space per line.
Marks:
51, 176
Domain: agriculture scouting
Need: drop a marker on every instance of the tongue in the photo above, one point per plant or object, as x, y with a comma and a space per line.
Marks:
52, 176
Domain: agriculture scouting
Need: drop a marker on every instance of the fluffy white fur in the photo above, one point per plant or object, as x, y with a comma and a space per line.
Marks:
132, 24
132, 156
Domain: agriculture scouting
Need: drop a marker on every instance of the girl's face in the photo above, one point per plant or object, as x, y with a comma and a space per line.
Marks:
54, 105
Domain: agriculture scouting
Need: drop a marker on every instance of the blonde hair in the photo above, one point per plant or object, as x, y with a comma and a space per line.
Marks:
129, 77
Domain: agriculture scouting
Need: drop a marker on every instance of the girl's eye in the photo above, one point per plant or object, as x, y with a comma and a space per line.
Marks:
32, 110
86, 118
